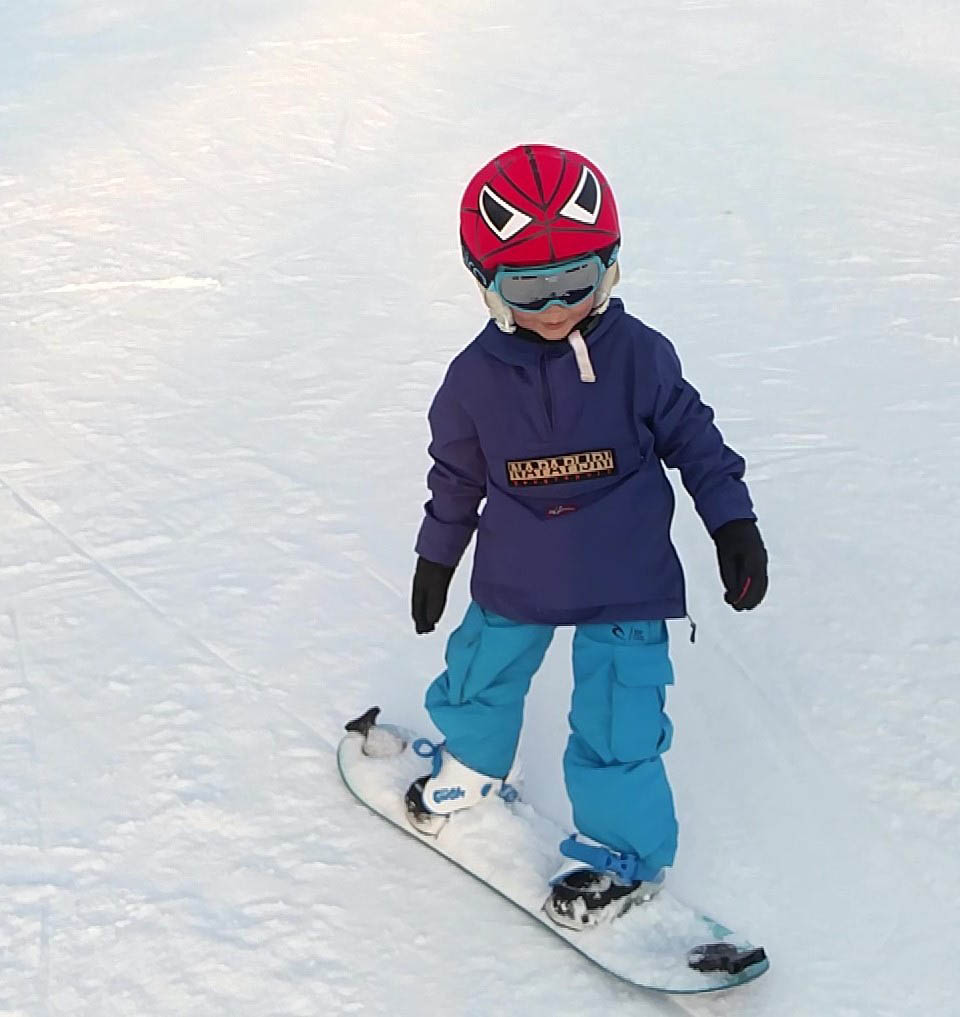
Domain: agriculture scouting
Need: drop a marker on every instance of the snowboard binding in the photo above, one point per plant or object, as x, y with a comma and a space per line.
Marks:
587, 898
598, 884
450, 787
419, 816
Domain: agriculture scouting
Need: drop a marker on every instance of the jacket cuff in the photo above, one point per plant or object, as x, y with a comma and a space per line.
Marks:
736, 504
443, 543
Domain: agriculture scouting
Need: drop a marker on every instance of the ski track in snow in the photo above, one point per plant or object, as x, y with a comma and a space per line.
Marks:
174, 283
230, 287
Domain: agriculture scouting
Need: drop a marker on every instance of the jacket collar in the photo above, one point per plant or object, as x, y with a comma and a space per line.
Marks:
511, 350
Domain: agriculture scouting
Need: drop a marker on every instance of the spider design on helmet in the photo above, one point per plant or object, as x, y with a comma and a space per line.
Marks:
536, 205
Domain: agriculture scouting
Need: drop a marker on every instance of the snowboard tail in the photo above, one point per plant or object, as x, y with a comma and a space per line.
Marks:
662, 944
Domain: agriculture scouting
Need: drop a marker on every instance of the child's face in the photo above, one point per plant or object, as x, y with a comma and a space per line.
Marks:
554, 322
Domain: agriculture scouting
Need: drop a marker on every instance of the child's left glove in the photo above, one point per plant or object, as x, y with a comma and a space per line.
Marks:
430, 584
743, 563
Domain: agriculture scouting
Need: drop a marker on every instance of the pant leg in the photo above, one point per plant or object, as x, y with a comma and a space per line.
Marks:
613, 768
478, 701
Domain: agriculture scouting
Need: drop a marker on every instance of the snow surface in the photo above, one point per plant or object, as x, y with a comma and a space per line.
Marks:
229, 284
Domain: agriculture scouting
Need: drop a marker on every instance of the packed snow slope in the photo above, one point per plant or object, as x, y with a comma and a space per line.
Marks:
230, 283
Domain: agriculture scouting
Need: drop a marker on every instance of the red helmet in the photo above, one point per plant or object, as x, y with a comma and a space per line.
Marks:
534, 205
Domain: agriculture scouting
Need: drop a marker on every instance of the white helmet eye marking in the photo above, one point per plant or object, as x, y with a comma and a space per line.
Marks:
584, 203
505, 220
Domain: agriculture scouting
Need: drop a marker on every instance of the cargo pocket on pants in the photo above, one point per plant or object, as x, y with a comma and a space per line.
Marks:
639, 728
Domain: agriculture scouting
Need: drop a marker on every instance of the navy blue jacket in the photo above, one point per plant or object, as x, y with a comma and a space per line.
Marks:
576, 525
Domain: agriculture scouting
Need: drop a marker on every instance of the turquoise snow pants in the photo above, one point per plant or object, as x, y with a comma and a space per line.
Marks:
612, 766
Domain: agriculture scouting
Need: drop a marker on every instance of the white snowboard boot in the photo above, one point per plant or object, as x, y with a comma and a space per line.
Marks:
451, 786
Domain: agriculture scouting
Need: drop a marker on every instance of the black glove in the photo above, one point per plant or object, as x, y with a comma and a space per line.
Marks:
743, 563
430, 584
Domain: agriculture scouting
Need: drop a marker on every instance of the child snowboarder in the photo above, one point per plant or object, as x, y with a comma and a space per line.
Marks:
561, 414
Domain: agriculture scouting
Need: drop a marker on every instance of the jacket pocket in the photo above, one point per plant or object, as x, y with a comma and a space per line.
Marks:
646, 443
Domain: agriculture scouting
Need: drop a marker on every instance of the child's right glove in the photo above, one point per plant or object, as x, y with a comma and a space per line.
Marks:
430, 584
743, 563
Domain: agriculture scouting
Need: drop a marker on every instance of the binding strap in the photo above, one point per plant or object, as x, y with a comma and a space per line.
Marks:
626, 867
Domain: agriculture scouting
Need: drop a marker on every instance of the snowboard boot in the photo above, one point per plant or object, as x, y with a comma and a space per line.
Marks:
598, 885
451, 786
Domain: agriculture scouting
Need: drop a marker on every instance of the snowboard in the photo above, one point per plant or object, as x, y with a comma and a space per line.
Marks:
662, 944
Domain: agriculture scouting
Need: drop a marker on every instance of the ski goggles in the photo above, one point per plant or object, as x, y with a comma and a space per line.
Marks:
535, 289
